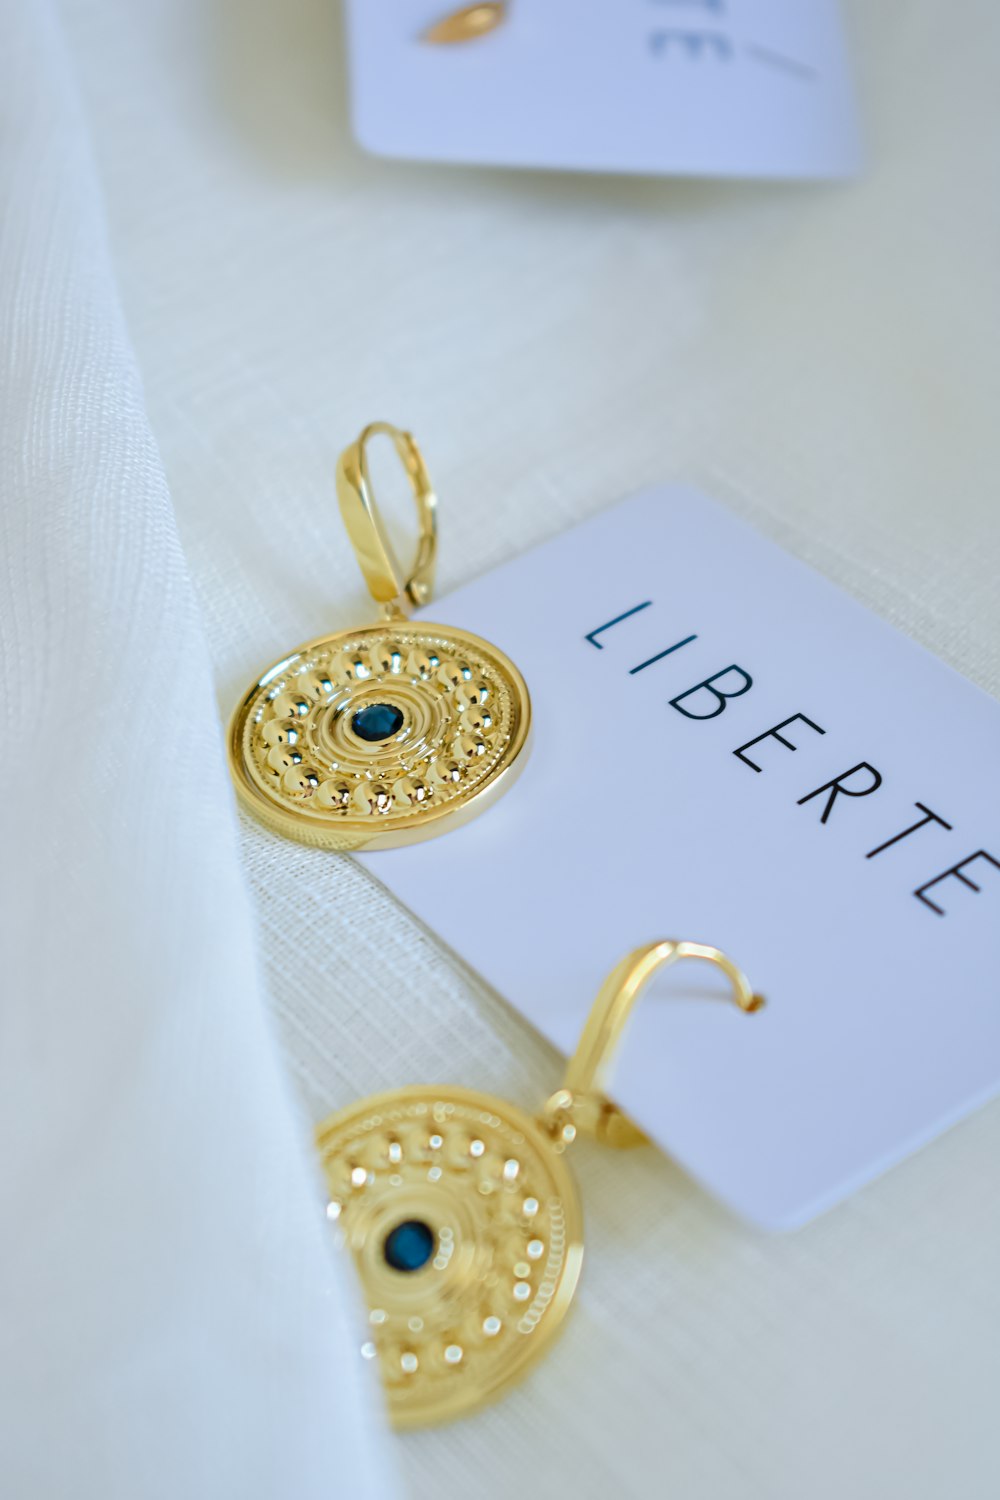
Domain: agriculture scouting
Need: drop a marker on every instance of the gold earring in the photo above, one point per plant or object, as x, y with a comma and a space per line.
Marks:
468, 23
392, 732
463, 1217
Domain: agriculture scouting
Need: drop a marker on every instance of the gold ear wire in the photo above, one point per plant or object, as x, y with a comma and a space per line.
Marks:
581, 1103
366, 529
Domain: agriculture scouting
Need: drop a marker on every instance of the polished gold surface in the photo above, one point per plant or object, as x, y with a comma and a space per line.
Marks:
365, 527
505, 1219
301, 768
466, 24
453, 712
488, 1189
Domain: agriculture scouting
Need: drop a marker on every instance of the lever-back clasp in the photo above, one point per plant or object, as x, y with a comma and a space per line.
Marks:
581, 1103
366, 529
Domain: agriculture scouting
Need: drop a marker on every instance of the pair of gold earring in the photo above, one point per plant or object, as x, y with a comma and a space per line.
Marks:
459, 1208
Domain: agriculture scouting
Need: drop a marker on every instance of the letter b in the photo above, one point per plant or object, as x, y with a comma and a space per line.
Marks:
716, 694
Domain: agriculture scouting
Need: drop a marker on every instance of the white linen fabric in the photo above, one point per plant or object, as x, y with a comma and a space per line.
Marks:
172, 1322
824, 360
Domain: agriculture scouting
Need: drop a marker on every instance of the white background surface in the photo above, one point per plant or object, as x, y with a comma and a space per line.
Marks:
824, 360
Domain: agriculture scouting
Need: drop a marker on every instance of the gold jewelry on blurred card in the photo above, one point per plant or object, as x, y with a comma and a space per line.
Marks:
391, 732
463, 1217
467, 24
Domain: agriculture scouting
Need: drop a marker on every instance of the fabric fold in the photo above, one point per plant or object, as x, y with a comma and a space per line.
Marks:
175, 1322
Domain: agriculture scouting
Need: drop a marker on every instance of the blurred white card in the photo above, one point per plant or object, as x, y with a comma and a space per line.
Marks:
832, 822
714, 88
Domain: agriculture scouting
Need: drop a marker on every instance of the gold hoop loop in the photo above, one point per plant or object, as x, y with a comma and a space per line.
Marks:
366, 529
581, 1103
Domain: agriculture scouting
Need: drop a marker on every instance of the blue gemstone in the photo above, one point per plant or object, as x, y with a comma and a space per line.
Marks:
377, 721
409, 1246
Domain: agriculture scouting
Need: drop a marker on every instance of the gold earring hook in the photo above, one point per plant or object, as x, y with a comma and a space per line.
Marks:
366, 528
581, 1103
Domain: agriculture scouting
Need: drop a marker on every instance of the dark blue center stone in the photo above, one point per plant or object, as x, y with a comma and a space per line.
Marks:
409, 1246
377, 721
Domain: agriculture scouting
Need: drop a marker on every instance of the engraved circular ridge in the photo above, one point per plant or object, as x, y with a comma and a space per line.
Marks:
501, 1219
308, 751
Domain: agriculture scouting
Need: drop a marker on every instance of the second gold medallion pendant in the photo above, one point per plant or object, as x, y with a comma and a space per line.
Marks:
391, 732
463, 1216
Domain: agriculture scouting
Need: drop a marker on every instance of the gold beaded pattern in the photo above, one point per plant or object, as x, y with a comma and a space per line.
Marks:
502, 1210
301, 766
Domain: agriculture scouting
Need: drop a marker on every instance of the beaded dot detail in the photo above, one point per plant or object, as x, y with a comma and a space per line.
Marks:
377, 736
468, 1267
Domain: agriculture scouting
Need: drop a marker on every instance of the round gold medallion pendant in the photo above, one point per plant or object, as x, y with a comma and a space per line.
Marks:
463, 1217
380, 736
388, 733
466, 1231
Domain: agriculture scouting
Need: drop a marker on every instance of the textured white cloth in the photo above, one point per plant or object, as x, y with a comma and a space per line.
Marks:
172, 1322
822, 359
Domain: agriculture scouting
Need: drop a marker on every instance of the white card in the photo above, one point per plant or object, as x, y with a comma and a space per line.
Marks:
635, 819
732, 88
